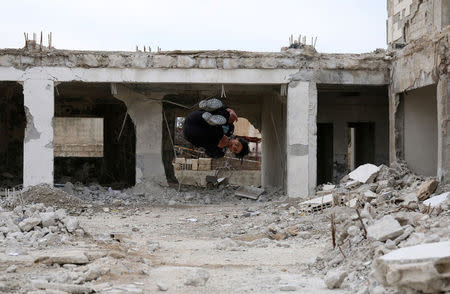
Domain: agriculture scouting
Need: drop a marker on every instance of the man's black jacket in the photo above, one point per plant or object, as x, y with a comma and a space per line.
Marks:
201, 134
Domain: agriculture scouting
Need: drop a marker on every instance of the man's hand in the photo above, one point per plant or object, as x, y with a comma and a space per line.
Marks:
233, 116
224, 142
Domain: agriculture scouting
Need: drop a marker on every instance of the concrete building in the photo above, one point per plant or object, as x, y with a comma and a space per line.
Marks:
310, 107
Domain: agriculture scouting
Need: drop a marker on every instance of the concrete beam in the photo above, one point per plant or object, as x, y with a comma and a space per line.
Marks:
153, 75
38, 142
301, 139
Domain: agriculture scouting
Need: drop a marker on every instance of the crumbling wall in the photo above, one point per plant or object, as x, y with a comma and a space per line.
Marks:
420, 130
116, 167
420, 64
409, 20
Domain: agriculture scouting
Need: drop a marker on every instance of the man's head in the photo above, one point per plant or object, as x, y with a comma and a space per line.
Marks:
239, 147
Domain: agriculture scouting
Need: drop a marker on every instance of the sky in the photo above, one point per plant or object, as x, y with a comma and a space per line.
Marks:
341, 26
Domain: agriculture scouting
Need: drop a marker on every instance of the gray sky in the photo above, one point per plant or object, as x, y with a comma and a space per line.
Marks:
342, 26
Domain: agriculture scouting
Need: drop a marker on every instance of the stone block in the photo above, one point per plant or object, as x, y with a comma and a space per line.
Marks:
29, 223
365, 173
71, 224
72, 257
422, 268
48, 219
269, 62
334, 279
185, 62
386, 228
207, 63
230, 63
164, 61
426, 189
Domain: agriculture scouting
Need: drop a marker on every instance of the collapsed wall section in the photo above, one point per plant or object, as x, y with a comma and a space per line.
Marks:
108, 160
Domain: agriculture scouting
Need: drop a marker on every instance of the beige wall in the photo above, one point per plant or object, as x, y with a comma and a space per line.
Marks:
421, 134
78, 137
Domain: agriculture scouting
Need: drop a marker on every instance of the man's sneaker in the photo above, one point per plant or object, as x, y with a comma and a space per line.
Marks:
214, 120
211, 104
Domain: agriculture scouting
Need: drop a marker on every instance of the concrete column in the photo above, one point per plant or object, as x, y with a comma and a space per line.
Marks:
38, 142
443, 117
273, 122
148, 120
301, 138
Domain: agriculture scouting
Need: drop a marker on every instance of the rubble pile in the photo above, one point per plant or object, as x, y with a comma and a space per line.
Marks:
37, 226
386, 209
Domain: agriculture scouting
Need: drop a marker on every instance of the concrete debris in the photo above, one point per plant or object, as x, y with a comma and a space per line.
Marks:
162, 286
427, 189
197, 278
29, 223
424, 268
65, 257
384, 229
68, 288
365, 173
334, 278
437, 200
249, 192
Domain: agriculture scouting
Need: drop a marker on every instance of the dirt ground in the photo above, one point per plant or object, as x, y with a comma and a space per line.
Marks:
149, 239
220, 248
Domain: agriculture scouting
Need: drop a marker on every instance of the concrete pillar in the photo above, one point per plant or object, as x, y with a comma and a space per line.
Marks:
38, 142
301, 138
443, 117
273, 122
148, 120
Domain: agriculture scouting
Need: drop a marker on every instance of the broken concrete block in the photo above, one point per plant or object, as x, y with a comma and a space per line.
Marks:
48, 219
424, 268
328, 187
67, 288
386, 228
352, 184
427, 189
199, 277
334, 279
71, 224
409, 198
249, 192
437, 200
29, 223
369, 195
365, 173
73, 257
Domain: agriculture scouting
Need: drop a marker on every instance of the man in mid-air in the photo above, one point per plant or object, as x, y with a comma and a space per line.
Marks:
212, 128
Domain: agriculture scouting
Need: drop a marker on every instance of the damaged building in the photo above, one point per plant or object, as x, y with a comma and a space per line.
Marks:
108, 116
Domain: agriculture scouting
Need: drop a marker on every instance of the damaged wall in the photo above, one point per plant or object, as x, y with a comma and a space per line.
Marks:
420, 133
340, 106
422, 63
409, 20
115, 166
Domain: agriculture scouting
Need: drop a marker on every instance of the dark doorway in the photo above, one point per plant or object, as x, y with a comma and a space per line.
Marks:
12, 132
362, 143
324, 153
